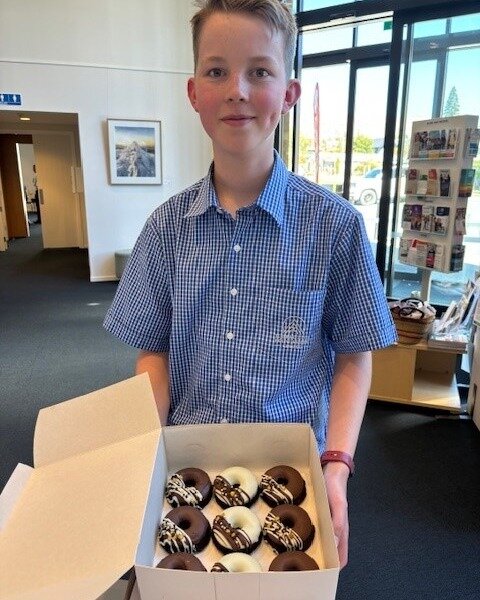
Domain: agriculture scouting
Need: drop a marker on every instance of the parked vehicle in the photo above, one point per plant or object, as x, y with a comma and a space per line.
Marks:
366, 190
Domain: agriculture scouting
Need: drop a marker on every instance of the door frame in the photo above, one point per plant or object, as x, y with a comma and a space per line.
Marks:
80, 226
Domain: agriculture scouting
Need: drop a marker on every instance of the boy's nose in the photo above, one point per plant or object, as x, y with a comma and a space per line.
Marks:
237, 89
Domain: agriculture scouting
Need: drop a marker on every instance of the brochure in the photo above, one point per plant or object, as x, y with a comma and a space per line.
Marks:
407, 217
411, 184
405, 244
451, 143
465, 186
460, 221
441, 219
444, 183
422, 185
427, 218
456, 258
416, 217
472, 139
432, 183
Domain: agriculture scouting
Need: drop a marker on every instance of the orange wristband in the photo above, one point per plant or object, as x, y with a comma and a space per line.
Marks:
338, 456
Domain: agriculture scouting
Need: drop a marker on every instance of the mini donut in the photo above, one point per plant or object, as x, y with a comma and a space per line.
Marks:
237, 529
184, 529
189, 487
181, 561
282, 485
237, 562
236, 486
288, 527
293, 561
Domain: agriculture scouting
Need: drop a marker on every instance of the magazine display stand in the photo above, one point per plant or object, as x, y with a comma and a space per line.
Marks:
438, 184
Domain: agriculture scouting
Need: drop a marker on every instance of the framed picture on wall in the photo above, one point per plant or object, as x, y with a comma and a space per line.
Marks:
135, 152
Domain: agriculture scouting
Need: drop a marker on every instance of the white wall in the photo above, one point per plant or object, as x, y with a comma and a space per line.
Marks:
109, 59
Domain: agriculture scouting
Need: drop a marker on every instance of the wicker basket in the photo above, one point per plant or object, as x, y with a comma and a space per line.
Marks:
413, 319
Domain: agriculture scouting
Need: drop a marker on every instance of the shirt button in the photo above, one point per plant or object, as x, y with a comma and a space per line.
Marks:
230, 335
233, 291
227, 377
224, 420
237, 248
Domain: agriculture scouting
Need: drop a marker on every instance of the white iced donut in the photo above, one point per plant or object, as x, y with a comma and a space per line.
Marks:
235, 486
237, 562
237, 529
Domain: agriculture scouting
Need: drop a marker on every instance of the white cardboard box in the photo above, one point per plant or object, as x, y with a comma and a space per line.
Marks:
90, 508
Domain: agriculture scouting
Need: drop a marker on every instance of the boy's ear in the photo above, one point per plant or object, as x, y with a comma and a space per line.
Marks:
192, 96
292, 94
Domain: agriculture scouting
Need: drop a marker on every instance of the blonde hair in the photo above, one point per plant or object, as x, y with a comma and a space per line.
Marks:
275, 13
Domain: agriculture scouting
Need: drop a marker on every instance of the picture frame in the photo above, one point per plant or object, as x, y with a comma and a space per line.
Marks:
135, 152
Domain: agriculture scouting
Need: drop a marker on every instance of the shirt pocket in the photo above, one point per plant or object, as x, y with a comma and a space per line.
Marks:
287, 327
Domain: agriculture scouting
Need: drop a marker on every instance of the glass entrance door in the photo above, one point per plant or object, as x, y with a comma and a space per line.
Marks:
342, 123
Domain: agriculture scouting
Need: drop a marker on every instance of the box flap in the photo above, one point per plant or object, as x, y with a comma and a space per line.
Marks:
76, 525
12, 491
103, 417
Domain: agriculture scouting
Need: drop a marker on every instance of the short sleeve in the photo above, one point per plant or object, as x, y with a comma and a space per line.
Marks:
356, 316
140, 314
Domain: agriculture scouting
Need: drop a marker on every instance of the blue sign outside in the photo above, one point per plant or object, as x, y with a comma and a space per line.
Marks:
11, 99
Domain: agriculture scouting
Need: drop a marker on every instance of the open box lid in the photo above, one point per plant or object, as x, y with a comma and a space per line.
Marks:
71, 526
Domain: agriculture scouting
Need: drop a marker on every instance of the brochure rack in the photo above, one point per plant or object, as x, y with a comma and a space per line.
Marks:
439, 182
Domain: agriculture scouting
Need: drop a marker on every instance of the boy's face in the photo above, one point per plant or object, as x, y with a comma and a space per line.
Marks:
240, 88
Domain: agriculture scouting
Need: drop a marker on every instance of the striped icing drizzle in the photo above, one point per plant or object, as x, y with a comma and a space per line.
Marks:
174, 539
274, 490
228, 536
177, 491
230, 495
281, 533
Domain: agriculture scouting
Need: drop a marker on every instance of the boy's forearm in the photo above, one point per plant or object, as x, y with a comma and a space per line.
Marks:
156, 365
350, 388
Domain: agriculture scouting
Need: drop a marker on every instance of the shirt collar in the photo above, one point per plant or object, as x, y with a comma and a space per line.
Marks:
271, 199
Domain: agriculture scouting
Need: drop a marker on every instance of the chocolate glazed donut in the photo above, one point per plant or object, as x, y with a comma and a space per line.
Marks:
282, 485
293, 561
184, 529
189, 487
288, 527
181, 561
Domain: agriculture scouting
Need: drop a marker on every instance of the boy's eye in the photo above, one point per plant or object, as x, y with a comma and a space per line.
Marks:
261, 73
216, 72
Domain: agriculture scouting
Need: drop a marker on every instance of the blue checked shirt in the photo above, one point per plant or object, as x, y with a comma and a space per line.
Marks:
252, 310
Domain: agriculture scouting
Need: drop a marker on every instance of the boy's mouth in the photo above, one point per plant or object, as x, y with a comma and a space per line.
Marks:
236, 119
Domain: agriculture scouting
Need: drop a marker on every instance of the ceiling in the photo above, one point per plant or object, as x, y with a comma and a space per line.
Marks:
38, 118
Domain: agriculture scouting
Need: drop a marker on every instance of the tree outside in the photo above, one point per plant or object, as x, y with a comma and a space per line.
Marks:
452, 105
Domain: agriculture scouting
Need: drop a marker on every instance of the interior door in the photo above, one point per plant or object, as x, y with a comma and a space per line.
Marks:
59, 206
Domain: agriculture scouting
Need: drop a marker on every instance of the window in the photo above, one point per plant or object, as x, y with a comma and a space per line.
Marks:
345, 78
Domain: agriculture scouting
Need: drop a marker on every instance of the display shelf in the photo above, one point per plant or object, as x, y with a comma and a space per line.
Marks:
439, 182
416, 375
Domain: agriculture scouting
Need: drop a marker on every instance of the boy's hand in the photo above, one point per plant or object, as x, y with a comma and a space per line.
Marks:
336, 477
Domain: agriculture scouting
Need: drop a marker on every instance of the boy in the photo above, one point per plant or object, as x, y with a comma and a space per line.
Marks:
253, 295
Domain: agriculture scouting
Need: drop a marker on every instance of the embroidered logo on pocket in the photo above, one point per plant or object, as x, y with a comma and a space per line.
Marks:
293, 334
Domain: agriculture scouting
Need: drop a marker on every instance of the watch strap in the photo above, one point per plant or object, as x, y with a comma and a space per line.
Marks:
338, 456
